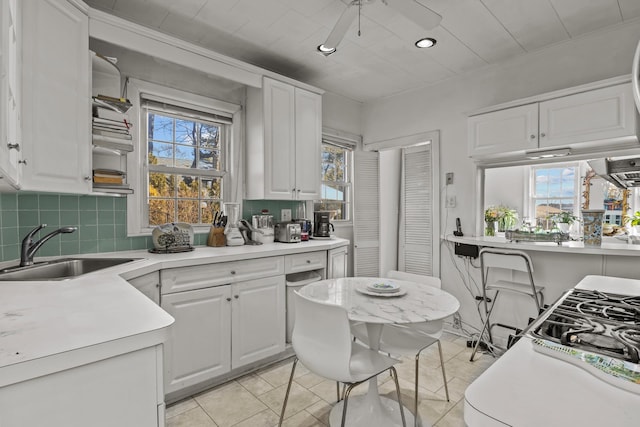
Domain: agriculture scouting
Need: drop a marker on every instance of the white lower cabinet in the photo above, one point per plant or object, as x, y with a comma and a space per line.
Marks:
337, 263
119, 391
258, 320
223, 326
199, 343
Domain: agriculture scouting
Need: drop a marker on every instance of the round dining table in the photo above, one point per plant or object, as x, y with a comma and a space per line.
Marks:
412, 303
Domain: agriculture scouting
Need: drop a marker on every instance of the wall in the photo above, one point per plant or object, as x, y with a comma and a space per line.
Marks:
444, 107
506, 187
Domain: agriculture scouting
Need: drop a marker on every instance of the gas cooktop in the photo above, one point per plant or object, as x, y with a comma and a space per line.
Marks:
596, 322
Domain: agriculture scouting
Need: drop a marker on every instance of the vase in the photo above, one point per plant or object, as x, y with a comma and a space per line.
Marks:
592, 227
490, 228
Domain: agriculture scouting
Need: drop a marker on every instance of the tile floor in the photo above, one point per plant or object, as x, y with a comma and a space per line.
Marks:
255, 400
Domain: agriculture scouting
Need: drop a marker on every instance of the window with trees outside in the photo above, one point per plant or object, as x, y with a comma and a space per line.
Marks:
336, 181
186, 170
554, 188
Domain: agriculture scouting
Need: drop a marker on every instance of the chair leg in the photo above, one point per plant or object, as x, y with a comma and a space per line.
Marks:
346, 401
415, 393
286, 396
484, 326
444, 376
394, 374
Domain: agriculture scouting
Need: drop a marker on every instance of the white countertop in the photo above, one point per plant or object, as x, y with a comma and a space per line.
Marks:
527, 388
610, 246
50, 325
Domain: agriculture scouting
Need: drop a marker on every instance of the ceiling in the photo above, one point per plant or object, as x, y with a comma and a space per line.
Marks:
282, 36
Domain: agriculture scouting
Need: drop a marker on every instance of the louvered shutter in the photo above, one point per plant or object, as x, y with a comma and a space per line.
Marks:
415, 249
366, 223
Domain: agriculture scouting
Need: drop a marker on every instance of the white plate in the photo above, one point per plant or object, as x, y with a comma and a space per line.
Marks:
365, 291
383, 287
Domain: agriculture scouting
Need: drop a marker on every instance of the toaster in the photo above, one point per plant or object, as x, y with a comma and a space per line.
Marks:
287, 232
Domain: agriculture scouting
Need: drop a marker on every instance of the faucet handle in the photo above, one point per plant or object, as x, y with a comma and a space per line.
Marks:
33, 232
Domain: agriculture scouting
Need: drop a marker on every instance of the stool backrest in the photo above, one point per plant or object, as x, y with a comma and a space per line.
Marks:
321, 338
506, 258
417, 278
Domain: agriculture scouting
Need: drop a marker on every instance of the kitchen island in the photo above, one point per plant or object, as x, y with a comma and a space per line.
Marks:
526, 387
78, 343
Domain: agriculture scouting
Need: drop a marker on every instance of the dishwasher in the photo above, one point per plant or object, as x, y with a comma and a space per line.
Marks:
294, 282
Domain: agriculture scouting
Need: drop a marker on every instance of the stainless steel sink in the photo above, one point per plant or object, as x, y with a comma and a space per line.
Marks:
60, 269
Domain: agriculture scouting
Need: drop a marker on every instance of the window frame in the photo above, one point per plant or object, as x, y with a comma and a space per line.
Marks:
348, 185
531, 199
137, 166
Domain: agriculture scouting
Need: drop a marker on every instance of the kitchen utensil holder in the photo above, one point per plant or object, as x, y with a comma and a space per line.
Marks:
216, 237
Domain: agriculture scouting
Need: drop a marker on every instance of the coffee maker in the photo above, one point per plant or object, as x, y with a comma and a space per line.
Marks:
322, 227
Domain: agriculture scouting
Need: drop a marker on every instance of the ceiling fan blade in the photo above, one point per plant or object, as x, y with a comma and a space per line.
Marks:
340, 29
416, 12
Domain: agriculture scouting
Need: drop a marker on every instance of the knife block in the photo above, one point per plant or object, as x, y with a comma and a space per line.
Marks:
216, 237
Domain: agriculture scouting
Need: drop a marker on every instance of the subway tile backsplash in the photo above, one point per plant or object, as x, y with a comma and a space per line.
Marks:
101, 222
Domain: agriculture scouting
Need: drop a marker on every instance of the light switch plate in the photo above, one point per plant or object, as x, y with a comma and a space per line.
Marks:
285, 215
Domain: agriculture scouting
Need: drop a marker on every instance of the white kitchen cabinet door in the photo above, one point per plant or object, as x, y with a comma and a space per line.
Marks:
589, 117
56, 97
198, 346
119, 391
279, 140
284, 131
308, 144
148, 285
258, 319
337, 263
503, 131
10, 114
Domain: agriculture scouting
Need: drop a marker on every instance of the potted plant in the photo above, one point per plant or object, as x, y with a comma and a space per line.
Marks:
491, 216
633, 221
563, 220
507, 218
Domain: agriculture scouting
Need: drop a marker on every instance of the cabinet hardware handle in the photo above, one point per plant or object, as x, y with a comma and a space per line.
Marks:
87, 178
533, 137
24, 162
308, 261
542, 135
233, 272
236, 296
228, 299
13, 146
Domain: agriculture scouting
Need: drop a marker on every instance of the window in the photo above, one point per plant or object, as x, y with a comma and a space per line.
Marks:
554, 188
336, 181
185, 160
185, 164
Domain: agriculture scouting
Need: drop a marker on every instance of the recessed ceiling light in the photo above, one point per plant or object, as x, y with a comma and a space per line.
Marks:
326, 51
426, 42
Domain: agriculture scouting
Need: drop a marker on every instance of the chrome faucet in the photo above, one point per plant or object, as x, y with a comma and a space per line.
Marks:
29, 248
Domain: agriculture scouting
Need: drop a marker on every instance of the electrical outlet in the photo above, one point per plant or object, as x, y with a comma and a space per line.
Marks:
451, 201
449, 178
285, 215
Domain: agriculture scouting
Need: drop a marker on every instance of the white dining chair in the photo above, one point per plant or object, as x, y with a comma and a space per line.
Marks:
409, 339
322, 342
512, 261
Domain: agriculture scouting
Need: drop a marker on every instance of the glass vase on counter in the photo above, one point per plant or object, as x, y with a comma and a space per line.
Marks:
490, 228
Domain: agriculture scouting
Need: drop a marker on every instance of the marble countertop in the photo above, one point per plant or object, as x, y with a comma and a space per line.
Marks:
420, 303
610, 246
47, 325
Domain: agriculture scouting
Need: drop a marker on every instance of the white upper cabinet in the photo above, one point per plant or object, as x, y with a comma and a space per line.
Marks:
56, 97
10, 137
513, 129
595, 118
603, 114
284, 133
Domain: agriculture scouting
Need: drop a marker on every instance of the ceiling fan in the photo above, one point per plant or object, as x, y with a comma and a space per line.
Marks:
411, 9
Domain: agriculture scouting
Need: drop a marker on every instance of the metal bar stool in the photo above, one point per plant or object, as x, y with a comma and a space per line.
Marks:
505, 259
